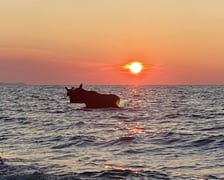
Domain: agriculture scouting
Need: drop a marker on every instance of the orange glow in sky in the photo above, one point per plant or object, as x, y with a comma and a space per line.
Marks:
73, 42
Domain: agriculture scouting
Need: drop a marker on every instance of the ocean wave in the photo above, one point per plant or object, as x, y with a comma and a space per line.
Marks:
26, 173
80, 141
9, 172
102, 175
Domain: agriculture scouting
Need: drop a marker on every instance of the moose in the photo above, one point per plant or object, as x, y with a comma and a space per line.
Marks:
92, 99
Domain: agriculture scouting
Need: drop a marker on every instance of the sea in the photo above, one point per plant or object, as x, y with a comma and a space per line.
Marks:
159, 133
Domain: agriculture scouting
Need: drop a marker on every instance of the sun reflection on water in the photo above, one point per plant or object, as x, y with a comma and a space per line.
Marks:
135, 130
115, 167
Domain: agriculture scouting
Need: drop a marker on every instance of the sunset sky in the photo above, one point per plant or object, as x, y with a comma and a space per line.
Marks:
90, 41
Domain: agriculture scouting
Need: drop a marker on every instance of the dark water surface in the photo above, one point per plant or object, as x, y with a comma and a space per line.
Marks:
161, 132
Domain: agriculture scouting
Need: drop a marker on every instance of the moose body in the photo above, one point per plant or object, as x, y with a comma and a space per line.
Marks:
92, 99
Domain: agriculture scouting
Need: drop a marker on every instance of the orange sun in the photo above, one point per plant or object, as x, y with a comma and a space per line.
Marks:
134, 67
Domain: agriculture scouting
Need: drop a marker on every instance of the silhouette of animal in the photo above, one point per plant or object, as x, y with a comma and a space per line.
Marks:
92, 99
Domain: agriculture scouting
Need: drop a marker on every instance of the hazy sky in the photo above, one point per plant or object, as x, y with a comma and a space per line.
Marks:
88, 41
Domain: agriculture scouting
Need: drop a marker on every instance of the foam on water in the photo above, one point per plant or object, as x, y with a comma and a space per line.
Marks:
161, 132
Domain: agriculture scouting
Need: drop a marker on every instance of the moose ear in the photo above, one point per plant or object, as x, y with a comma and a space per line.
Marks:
80, 86
66, 88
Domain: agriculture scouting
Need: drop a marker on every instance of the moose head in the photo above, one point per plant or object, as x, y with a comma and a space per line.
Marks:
75, 94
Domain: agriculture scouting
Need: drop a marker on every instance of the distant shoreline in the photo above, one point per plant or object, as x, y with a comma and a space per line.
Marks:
13, 84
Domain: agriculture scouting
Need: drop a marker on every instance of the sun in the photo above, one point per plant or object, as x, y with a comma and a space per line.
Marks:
134, 67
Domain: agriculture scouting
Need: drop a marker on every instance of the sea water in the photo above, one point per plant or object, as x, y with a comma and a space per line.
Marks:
160, 132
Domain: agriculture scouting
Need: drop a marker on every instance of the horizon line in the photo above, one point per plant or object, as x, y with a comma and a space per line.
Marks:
100, 84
